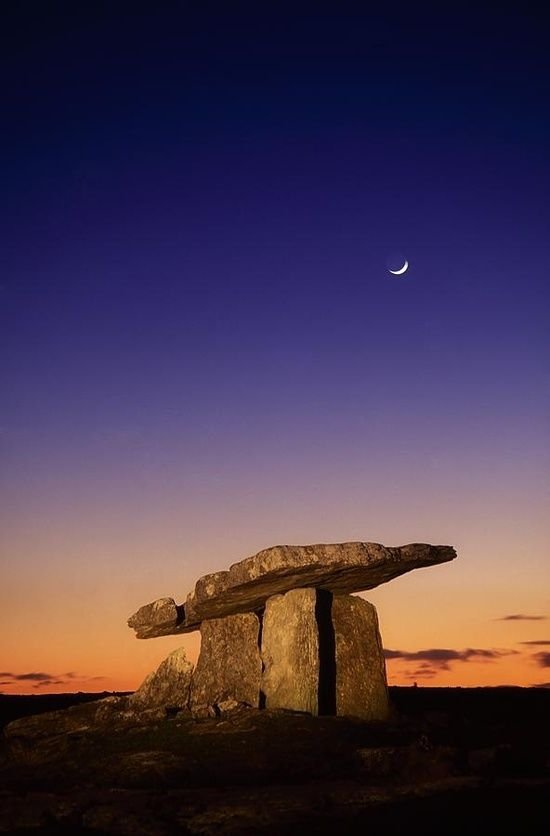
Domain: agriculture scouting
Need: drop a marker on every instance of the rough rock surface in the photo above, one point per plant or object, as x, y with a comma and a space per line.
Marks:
361, 689
161, 617
245, 587
267, 773
168, 686
229, 667
290, 651
46, 736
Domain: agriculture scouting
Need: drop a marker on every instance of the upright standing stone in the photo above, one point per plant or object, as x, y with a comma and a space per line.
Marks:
361, 689
290, 651
229, 665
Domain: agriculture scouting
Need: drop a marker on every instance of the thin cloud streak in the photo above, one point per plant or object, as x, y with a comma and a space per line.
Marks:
537, 642
522, 617
424, 671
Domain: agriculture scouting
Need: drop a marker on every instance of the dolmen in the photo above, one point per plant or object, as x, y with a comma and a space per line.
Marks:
282, 630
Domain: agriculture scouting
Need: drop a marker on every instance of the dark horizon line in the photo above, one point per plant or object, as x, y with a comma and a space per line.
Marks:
390, 687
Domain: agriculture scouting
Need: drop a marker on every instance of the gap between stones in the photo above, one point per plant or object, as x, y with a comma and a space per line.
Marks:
326, 690
260, 616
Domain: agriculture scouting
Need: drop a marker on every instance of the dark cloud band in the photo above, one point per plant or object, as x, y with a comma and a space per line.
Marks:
41, 679
439, 658
537, 642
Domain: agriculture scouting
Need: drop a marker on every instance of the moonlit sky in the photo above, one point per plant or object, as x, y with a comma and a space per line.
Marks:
204, 353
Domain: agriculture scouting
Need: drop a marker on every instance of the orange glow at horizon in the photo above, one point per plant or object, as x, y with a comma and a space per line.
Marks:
69, 586
60, 651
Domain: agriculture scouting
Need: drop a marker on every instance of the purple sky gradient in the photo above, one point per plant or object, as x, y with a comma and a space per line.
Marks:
202, 346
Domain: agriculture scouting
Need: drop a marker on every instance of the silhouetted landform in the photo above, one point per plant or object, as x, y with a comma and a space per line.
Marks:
279, 630
447, 760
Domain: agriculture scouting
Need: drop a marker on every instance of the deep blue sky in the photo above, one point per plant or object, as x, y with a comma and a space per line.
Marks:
200, 334
200, 203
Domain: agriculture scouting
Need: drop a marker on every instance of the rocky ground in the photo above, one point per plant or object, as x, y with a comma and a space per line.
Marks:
450, 760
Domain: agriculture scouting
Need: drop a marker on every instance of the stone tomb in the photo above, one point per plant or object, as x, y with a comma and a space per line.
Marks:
280, 630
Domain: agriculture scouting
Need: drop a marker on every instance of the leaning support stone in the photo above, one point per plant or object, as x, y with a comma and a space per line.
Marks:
229, 665
361, 689
167, 687
290, 652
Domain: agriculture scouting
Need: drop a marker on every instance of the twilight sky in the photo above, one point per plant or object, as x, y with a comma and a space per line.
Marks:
203, 351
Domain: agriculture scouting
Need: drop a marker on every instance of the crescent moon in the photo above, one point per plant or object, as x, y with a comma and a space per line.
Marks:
402, 270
